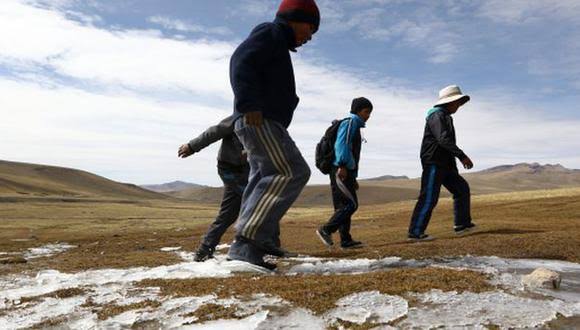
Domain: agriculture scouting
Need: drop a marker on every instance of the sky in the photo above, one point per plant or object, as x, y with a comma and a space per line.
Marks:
114, 87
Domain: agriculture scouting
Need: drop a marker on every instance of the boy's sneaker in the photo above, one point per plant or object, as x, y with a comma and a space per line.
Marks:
459, 230
268, 265
324, 237
270, 249
352, 244
420, 238
203, 253
277, 251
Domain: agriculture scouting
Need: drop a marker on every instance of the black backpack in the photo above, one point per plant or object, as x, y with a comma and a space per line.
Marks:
325, 148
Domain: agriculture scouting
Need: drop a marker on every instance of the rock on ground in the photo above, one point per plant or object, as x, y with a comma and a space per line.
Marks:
542, 278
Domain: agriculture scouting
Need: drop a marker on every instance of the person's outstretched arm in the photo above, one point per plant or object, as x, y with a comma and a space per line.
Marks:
209, 136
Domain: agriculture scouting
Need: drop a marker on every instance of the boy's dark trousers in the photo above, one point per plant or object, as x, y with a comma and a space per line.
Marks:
431, 180
235, 180
345, 202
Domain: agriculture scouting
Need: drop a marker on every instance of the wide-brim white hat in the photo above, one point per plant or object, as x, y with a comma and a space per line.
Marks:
451, 93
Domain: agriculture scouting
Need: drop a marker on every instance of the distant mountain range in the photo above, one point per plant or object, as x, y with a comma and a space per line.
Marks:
388, 177
388, 188
171, 186
24, 181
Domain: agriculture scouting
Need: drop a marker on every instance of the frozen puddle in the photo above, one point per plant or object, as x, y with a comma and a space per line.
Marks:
449, 309
47, 250
510, 307
44, 251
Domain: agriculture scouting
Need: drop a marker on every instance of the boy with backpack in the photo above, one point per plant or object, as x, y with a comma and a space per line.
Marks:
338, 155
438, 152
233, 169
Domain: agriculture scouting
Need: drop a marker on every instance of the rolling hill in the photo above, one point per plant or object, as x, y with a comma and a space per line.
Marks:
505, 178
23, 180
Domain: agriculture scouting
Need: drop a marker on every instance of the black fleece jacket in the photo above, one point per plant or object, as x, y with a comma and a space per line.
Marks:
439, 144
261, 73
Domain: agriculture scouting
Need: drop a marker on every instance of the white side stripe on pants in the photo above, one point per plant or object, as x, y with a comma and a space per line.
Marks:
345, 190
276, 186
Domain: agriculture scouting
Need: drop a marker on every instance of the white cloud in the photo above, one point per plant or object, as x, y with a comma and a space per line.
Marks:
131, 58
182, 26
525, 11
255, 8
133, 134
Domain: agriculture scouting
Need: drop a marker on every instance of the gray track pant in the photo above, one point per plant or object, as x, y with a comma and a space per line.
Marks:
278, 172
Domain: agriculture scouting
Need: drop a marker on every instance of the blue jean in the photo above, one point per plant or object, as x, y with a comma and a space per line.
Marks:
278, 173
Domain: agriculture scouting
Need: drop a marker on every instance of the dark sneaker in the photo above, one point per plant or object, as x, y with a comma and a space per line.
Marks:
352, 244
289, 254
270, 249
203, 253
459, 230
420, 238
324, 237
277, 251
268, 265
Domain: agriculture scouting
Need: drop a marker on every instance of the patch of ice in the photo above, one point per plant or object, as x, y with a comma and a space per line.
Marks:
509, 272
343, 266
116, 286
52, 280
170, 248
248, 323
305, 258
449, 309
297, 319
47, 250
50, 308
369, 306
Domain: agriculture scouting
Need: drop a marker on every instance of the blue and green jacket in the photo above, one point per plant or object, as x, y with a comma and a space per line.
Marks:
347, 146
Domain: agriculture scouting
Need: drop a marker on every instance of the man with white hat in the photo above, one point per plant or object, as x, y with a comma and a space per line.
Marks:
438, 153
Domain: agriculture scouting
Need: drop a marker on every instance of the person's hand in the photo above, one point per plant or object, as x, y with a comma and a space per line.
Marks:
342, 173
467, 163
253, 118
356, 186
184, 151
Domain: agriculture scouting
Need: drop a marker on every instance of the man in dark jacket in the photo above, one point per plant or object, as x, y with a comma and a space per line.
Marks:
262, 79
343, 175
438, 153
233, 169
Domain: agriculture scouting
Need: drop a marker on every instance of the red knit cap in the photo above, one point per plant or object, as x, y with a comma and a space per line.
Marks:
300, 11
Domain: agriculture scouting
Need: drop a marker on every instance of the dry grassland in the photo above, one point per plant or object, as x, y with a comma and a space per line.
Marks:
538, 224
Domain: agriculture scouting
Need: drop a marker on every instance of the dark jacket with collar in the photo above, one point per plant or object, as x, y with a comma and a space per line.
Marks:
261, 72
231, 154
439, 144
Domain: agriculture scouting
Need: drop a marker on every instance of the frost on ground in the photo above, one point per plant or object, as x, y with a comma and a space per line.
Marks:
509, 307
371, 306
449, 309
47, 250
